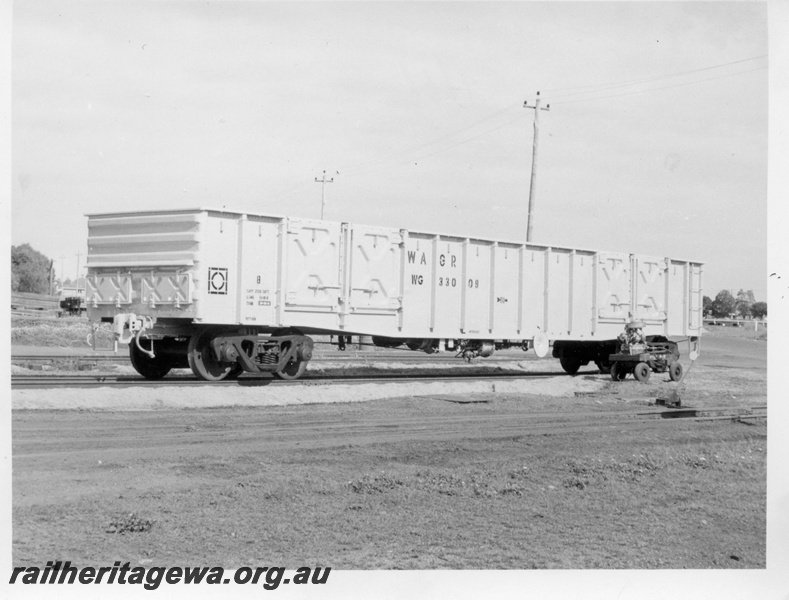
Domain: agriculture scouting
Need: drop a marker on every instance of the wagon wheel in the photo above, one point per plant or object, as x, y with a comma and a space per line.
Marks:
570, 364
235, 371
618, 371
675, 371
293, 370
150, 368
296, 366
604, 366
204, 363
642, 372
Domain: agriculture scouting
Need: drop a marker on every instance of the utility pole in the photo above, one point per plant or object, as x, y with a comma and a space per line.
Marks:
77, 282
323, 181
533, 183
52, 277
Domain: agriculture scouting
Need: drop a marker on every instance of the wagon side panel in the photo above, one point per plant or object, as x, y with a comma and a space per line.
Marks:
217, 269
259, 264
613, 283
311, 284
506, 283
582, 294
476, 317
449, 286
558, 275
533, 291
649, 292
417, 285
372, 292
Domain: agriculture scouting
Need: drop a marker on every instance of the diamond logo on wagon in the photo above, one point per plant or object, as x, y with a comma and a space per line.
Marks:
217, 280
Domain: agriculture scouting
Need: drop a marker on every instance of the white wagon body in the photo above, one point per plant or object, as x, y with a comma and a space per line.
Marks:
224, 268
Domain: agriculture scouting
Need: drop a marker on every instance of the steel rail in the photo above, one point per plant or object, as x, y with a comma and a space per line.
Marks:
39, 359
93, 380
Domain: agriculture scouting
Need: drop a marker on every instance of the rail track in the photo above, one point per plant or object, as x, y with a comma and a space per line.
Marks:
740, 413
104, 380
406, 357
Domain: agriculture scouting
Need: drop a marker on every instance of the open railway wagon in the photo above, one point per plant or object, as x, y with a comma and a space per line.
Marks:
225, 292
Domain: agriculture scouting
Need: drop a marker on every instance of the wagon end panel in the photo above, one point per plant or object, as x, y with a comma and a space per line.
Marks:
696, 316
143, 263
684, 298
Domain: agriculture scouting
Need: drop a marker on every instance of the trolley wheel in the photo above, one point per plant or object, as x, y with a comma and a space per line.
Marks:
150, 368
642, 372
675, 371
570, 364
618, 371
293, 370
204, 364
604, 366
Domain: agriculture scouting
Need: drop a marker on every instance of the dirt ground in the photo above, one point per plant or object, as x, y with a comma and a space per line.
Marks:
564, 476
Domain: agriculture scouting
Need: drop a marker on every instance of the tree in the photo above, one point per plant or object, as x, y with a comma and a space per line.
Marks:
743, 303
723, 305
30, 270
759, 310
706, 305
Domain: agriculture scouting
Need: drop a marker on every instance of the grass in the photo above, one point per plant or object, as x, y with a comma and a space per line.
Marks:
676, 497
66, 332
747, 332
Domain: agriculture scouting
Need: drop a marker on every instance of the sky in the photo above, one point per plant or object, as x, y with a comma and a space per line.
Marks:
655, 141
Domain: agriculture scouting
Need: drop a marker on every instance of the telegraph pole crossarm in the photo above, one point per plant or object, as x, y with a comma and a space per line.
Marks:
533, 184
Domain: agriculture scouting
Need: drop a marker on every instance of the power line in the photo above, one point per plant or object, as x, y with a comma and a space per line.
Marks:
615, 85
409, 150
418, 157
406, 154
666, 87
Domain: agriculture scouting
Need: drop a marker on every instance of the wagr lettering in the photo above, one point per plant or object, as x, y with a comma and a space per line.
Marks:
442, 260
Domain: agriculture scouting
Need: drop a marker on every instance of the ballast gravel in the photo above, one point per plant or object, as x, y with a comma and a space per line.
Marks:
264, 394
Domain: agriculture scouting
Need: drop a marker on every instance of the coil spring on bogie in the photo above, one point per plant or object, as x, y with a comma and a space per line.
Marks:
268, 358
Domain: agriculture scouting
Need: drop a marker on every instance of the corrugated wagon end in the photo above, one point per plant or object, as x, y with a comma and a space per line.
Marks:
171, 284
